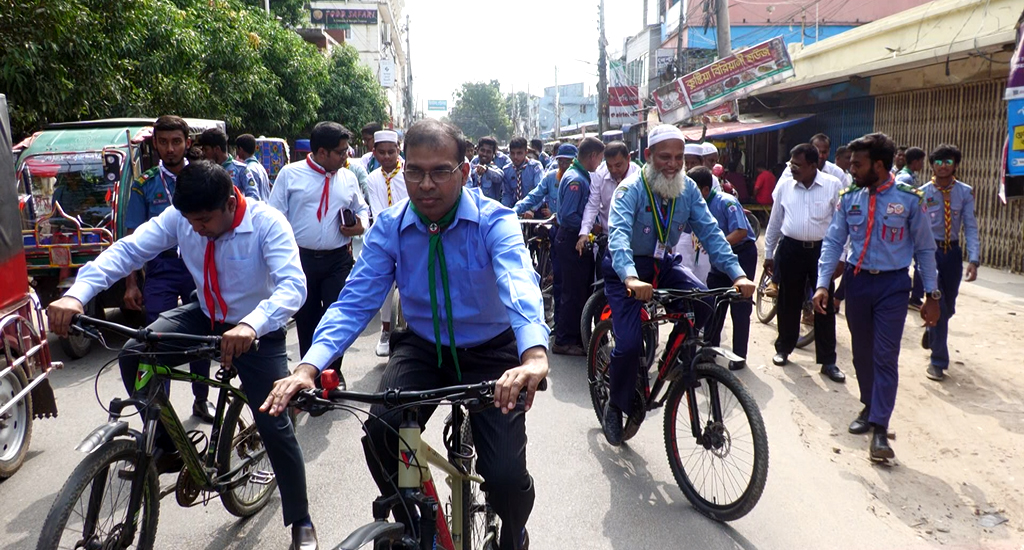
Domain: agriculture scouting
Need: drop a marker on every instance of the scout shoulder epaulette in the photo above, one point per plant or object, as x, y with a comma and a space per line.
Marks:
910, 189
849, 189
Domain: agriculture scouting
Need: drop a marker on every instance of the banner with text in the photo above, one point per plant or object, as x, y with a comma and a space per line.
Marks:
340, 18
437, 104
623, 99
724, 80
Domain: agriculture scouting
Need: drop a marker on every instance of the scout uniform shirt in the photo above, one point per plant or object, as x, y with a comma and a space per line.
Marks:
946, 217
885, 233
242, 178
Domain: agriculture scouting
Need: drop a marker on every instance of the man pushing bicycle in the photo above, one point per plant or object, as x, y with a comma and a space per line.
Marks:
245, 263
649, 211
474, 309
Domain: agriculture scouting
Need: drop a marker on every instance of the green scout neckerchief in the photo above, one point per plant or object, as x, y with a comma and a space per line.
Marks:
435, 253
662, 225
579, 168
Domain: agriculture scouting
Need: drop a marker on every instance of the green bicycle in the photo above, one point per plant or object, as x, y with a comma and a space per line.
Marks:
112, 498
467, 522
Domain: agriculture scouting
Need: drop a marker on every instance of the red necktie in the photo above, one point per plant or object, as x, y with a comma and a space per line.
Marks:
211, 286
325, 197
871, 222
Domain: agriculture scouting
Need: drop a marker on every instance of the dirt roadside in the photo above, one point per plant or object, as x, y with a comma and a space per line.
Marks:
958, 479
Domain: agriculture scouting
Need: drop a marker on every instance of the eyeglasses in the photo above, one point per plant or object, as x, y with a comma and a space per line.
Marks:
441, 175
940, 162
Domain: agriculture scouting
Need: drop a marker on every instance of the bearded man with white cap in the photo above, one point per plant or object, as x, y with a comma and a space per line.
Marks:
386, 189
650, 210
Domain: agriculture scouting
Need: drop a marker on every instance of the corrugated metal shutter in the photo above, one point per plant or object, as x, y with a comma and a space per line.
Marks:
972, 117
841, 121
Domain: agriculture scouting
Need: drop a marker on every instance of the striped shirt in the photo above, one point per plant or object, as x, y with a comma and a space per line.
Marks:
800, 212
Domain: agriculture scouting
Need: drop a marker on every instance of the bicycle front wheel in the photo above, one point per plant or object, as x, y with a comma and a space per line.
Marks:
765, 304
722, 471
241, 445
91, 510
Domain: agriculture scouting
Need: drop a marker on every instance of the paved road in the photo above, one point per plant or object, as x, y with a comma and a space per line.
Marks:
589, 495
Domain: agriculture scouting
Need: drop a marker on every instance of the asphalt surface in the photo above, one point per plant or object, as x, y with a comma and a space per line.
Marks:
589, 495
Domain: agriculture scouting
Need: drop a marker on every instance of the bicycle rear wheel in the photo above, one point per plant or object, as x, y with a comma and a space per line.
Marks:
91, 510
593, 311
765, 304
806, 326
240, 443
723, 472
480, 525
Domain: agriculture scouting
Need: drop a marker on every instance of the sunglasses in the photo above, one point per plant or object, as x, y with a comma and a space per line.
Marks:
940, 162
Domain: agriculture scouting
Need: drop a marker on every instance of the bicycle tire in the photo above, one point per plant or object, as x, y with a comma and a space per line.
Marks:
480, 525
765, 305
746, 501
755, 225
592, 315
805, 339
241, 443
83, 476
599, 359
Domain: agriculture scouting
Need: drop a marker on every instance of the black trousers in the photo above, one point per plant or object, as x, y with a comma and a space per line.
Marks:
796, 267
257, 371
739, 311
326, 272
577, 272
500, 439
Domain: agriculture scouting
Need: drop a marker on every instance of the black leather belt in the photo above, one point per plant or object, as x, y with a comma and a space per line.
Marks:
804, 244
942, 243
324, 253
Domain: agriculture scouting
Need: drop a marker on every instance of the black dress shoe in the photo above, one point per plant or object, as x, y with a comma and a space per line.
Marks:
612, 425
737, 365
780, 360
303, 538
204, 410
833, 373
880, 449
860, 424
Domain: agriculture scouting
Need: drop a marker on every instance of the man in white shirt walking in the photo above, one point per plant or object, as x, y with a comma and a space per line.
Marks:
326, 209
615, 168
386, 189
804, 201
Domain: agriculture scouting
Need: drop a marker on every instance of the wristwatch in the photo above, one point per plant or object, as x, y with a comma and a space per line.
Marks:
935, 294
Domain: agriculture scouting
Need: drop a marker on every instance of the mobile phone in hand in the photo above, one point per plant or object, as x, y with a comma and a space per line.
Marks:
348, 218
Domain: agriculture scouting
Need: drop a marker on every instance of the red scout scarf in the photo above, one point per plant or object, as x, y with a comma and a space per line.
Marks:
325, 197
871, 221
211, 286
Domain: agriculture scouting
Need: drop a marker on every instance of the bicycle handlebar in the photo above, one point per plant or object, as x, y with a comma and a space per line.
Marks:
392, 398
667, 294
537, 222
143, 334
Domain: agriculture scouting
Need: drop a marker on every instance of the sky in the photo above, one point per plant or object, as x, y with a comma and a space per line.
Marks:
517, 42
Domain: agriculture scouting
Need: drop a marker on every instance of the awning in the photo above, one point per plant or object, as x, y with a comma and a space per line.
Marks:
747, 125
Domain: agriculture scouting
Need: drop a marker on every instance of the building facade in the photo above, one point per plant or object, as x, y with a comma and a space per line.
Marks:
576, 109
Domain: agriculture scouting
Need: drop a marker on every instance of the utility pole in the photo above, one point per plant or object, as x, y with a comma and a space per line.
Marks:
266, 6
680, 67
602, 74
558, 109
410, 116
724, 31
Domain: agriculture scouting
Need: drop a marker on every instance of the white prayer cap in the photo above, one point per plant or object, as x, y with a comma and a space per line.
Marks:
385, 136
663, 132
694, 149
710, 149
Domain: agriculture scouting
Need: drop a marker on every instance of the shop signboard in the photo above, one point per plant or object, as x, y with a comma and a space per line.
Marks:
335, 18
623, 99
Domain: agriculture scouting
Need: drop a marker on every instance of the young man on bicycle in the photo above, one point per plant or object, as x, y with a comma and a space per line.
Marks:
649, 212
476, 315
245, 263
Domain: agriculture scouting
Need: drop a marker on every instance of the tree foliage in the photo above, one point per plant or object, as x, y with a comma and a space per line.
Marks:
290, 12
480, 111
222, 59
352, 96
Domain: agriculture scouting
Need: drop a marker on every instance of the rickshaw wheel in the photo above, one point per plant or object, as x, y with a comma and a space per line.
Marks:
16, 424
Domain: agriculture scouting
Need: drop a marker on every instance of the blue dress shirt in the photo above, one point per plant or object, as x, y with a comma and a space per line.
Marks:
493, 283
532, 172
573, 194
546, 192
728, 211
260, 175
632, 232
900, 234
242, 178
151, 194
490, 182
258, 266
961, 204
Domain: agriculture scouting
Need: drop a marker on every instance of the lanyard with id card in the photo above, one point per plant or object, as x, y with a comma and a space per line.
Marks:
662, 222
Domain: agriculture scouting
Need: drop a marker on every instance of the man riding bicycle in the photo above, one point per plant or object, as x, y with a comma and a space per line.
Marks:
474, 309
649, 211
245, 263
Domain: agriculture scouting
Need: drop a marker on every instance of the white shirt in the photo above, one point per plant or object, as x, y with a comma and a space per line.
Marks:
258, 267
830, 169
297, 193
377, 186
799, 212
602, 188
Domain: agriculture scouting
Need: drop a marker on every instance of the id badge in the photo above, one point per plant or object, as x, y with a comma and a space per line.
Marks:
659, 250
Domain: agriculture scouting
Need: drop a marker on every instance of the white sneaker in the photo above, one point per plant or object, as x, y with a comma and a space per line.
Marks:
383, 347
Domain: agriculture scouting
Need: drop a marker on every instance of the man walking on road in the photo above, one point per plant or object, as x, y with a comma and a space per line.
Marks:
577, 270
325, 208
887, 226
487, 169
521, 175
387, 188
370, 162
615, 168
214, 143
949, 204
802, 211
245, 150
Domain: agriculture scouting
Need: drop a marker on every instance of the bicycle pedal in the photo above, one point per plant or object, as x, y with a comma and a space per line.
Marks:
262, 477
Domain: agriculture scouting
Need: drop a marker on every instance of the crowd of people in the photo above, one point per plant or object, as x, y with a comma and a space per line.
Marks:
439, 218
